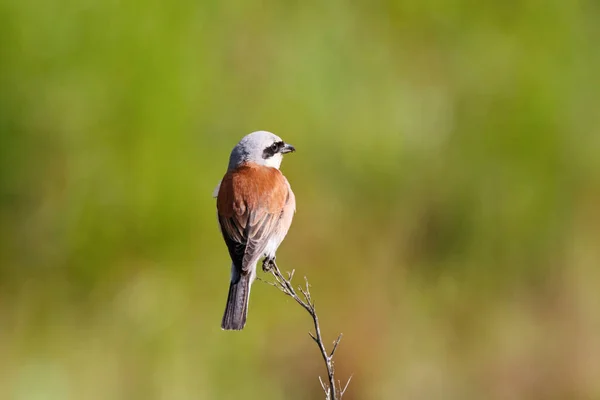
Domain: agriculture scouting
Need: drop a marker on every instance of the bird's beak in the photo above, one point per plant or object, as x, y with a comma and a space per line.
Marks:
288, 148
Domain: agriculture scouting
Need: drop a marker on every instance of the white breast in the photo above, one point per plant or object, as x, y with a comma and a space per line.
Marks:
216, 191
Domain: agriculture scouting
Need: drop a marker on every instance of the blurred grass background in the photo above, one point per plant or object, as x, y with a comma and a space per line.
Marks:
447, 179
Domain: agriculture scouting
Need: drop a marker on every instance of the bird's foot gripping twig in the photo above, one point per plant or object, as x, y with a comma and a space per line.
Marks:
268, 264
333, 390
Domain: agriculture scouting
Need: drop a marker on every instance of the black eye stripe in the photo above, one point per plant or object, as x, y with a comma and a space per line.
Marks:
273, 149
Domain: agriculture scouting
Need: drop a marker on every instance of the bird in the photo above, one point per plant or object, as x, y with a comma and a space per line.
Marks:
255, 208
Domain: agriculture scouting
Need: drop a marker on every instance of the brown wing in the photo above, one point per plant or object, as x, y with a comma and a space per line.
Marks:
249, 205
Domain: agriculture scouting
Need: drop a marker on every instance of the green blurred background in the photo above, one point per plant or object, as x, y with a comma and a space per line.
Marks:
447, 179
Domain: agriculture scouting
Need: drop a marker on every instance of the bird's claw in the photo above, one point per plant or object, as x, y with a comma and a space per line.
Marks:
268, 264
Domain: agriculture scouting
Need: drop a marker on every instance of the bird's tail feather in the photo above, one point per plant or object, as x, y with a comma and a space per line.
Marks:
237, 304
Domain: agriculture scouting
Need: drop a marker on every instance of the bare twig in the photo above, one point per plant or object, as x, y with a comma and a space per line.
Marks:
332, 391
327, 394
335, 345
342, 391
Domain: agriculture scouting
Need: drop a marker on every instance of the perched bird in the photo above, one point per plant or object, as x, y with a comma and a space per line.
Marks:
255, 207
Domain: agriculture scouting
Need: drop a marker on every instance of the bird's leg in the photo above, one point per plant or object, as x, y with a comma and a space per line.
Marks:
268, 263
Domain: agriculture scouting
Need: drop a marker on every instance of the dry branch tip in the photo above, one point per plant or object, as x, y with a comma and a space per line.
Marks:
332, 391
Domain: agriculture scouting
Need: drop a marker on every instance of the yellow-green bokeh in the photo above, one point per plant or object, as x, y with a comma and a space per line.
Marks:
447, 180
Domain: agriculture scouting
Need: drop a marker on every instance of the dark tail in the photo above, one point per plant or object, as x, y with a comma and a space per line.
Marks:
237, 304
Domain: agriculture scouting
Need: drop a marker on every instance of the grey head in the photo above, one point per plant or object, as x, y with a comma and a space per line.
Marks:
260, 147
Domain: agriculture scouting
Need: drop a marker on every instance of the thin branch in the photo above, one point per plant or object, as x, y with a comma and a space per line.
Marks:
345, 387
285, 285
335, 345
324, 388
